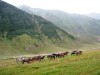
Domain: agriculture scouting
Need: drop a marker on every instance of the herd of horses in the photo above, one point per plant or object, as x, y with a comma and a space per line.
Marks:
49, 56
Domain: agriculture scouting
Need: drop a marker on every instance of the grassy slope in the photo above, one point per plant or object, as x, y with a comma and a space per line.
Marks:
86, 64
26, 46
7, 49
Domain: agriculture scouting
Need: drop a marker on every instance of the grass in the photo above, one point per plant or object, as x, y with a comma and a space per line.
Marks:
92, 46
24, 45
86, 64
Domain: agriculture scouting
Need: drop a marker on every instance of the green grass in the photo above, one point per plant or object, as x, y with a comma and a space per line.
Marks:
86, 64
92, 46
24, 45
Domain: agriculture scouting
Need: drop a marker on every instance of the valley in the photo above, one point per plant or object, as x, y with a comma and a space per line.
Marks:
35, 34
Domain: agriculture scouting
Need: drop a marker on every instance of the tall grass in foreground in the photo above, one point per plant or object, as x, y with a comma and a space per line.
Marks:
86, 64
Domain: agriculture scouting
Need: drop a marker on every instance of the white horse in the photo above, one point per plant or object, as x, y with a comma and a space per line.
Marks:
20, 59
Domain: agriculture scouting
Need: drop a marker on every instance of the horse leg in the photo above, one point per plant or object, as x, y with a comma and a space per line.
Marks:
17, 61
28, 62
22, 62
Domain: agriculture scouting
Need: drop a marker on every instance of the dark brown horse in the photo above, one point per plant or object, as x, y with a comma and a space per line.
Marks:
26, 60
51, 56
73, 52
40, 58
79, 52
76, 53
56, 55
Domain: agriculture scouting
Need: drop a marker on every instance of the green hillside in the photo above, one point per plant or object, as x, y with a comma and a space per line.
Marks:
22, 33
85, 28
14, 22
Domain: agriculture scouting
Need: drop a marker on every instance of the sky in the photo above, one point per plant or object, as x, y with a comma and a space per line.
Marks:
70, 6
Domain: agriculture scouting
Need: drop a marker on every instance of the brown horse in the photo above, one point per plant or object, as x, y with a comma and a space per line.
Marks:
66, 53
61, 55
36, 58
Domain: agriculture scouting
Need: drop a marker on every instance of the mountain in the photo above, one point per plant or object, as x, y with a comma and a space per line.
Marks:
83, 27
24, 33
94, 15
14, 21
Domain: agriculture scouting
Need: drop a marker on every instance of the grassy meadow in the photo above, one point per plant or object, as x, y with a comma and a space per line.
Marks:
86, 64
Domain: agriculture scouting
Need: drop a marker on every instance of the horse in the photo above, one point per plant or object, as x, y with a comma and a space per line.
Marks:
79, 53
66, 53
51, 56
56, 55
36, 58
41, 58
26, 60
19, 59
59, 55
74, 52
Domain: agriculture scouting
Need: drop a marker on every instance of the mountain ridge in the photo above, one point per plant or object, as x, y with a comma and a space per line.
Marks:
94, 15
75, 24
